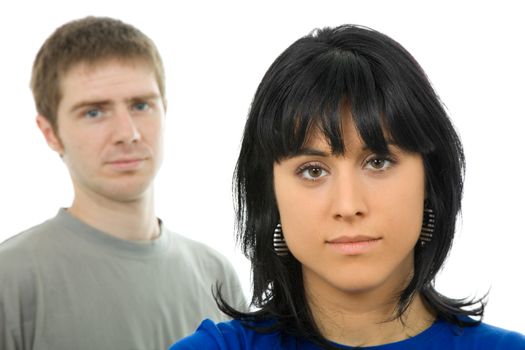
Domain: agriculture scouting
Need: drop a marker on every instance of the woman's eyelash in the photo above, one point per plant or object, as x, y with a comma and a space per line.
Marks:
308, 166
314, 171
382, 159
311, 171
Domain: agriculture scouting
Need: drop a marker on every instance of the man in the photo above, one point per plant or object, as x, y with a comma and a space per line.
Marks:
105, 273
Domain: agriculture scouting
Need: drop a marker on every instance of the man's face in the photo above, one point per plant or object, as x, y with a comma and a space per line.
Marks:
110, 129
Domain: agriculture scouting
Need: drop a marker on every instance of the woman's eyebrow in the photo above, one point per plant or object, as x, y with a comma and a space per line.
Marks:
389, 144
308, 151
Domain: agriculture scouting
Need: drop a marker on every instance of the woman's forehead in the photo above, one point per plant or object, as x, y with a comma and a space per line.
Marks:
348, 139
319, 138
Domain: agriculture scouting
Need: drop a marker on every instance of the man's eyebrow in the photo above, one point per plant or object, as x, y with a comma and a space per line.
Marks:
88, 103
96, 102
145, 97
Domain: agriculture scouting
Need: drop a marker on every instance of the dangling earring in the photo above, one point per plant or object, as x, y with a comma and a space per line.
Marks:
427, 229
279, 244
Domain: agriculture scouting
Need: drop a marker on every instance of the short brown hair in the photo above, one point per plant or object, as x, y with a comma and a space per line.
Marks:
87, 40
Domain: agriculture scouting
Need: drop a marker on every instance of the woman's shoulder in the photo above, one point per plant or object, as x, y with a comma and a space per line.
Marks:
480, 337
495, 337
231, 335
237, 335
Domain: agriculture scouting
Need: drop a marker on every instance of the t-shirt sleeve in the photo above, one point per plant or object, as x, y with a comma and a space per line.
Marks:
17, 300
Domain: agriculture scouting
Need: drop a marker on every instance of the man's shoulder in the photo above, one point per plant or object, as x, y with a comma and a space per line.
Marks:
199, 254
189, 243
210, 266
19, 262
182, 242
27, 241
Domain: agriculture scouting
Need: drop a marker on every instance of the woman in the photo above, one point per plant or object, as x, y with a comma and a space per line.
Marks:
348, 183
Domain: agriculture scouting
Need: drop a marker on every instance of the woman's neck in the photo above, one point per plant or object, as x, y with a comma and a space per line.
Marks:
365, 320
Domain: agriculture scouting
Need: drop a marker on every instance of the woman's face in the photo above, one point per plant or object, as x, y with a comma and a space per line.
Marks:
353, 220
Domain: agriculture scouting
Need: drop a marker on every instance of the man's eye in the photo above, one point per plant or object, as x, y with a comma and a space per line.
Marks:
93, 113
142, 106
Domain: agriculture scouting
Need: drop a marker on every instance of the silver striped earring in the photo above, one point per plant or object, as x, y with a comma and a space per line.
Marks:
427, 229
279, 243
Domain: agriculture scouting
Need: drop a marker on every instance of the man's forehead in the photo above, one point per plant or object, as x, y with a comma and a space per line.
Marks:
87, 67
109, 71
106, 82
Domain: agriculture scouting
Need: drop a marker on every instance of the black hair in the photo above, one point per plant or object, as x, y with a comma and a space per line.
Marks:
386, 91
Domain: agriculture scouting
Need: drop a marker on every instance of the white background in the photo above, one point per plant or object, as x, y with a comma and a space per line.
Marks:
215, 54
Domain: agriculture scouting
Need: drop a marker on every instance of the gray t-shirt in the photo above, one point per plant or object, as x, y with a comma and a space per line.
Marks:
66, 285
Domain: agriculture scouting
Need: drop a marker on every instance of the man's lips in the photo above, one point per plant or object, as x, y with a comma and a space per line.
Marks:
126, 160
126, 164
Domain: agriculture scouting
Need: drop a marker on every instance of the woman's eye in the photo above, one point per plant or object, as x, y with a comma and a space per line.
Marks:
312, 172
379, 164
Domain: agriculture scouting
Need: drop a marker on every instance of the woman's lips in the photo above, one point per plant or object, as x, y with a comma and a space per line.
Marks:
353, 245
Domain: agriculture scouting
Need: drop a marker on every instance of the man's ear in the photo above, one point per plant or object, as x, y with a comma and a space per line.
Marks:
51, 137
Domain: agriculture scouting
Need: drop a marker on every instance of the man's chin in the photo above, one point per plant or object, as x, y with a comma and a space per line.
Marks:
128, 192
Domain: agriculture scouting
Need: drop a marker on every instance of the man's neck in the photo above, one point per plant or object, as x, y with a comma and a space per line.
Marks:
130, 220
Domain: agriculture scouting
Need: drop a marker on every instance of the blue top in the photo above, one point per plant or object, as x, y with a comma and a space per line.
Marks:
441, 335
